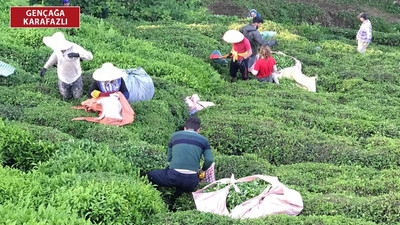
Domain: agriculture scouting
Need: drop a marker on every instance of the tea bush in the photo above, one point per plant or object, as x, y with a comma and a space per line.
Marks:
327, 178
185, 38
241, 166
178, 67
139, 10
235, 135
22, 213
31, 188
84, 156
379, 209
42, 133
338, 147
12, 183
110, 198
19, 149
199, 218
141, 155
312, 177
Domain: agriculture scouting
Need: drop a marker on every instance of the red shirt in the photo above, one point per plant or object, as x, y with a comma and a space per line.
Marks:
264, 67
242, 47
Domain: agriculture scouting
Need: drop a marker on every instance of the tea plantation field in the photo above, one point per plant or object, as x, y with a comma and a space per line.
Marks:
339, 147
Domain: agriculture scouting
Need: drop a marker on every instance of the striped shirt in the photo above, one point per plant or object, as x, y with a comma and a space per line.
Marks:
185, 150
364, 34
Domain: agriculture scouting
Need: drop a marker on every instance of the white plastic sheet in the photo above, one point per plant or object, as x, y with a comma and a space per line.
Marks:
5, 69
278, 199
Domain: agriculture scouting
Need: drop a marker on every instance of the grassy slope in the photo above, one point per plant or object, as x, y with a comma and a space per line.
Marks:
341, 136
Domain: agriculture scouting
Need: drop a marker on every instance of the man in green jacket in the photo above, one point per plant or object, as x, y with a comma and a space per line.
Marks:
185, 150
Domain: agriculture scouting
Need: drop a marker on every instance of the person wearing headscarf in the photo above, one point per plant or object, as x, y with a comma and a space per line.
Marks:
66, 3
107, 80
364, 34
253, 13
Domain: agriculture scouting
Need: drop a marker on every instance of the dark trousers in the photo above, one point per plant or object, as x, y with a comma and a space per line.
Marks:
172, 178
71, 90
235, 66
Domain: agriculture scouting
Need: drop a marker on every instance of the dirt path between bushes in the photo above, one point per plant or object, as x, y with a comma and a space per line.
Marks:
227, 8
328, 18
330, 12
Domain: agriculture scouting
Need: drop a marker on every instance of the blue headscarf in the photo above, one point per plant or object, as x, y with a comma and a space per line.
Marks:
110, 86
254, 11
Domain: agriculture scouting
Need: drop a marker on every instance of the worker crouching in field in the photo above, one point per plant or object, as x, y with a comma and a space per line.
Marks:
185, 150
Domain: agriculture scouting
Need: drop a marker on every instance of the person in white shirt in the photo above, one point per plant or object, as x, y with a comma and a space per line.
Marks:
67, 55
364, 34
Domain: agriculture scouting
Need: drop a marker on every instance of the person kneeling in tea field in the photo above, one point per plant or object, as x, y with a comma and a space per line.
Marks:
265, 66
107, 80
185, 150
68, 56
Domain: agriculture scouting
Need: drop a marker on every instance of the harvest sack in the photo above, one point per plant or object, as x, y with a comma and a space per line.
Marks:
194, 103
294, 72
278, 199
267, 34
5, 69
112, 107
92, 105
139, 84
218, 60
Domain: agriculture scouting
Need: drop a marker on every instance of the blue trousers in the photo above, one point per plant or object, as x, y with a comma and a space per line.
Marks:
172, 178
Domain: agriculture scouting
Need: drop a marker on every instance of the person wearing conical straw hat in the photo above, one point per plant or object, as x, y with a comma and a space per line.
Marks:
107, 80
67, 55
240, 53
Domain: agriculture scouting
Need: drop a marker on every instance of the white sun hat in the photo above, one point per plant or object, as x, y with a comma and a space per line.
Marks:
233, 36
57, 42
108, 72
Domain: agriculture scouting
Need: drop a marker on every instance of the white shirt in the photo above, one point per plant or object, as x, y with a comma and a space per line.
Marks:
68, 69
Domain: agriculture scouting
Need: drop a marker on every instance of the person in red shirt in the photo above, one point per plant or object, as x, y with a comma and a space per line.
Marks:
265, 66
240, 53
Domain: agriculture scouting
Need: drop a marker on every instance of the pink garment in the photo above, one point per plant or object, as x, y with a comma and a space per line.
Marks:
278, 199
195, 104
209, 175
